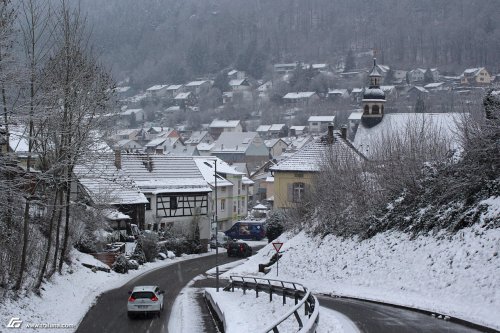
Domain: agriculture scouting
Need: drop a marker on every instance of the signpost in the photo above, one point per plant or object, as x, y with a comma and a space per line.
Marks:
277, 246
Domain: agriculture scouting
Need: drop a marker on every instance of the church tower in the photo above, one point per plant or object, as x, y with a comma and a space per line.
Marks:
373, 99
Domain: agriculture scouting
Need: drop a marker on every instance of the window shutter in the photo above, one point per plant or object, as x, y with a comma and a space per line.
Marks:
289, 192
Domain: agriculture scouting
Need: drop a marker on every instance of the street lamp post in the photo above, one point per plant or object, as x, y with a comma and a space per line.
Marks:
216, 232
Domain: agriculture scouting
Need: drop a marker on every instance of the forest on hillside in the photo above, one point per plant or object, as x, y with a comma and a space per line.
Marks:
154, 41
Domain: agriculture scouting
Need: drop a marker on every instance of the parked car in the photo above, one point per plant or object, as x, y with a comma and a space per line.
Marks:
145, 300
222, 240
248, 230
239, 249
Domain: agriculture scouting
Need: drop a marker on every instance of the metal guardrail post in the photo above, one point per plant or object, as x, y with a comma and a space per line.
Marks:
298, 319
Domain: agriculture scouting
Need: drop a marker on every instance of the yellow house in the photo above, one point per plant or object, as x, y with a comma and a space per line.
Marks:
475, 76
294, 176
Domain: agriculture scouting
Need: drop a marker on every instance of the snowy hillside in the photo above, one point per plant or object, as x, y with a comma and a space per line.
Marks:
455, 274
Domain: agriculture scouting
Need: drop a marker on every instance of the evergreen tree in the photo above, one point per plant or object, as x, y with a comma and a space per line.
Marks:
389, 77
420, 105
349, 61
428, 78
221, 81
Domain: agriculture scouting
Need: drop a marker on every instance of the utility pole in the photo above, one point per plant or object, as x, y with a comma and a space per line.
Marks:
216, 232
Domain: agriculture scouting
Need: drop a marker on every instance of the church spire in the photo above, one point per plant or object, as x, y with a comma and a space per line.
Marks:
373, 99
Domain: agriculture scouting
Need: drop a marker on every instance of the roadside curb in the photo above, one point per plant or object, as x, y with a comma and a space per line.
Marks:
435, 314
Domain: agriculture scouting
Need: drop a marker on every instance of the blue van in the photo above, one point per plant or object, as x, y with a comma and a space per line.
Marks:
249, 230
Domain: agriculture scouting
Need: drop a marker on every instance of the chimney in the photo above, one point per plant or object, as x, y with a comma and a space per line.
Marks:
343, 132
329, 137
118, 158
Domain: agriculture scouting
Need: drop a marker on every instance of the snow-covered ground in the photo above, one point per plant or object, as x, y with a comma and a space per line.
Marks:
61, 302
457, 275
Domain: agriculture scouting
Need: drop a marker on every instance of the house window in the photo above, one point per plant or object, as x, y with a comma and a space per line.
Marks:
366, 108
222, 204
173, 203
148, 205
375, 109
298, 192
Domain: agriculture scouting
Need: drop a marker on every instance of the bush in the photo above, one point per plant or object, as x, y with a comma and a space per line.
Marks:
274, 225
148, 243
120, 265
139, 254
181, 245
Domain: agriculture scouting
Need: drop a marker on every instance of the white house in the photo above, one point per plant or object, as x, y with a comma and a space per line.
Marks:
233, 190
318, 124
217, 127
158, 90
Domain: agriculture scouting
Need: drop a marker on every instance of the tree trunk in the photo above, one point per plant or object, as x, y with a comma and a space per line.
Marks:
49, 243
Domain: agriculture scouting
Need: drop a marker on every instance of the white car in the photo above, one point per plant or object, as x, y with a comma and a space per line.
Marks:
145, 299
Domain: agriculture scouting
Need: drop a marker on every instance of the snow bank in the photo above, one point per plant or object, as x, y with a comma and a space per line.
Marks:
456, 275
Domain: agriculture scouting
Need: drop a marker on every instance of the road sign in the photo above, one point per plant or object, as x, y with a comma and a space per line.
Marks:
277, 246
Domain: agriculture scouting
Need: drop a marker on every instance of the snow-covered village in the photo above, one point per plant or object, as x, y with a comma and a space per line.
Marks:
250, 166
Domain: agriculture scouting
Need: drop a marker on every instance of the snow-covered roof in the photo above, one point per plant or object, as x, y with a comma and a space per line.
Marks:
174, 86
298, 128
127, 131
104, 183
276, 127
196, 137
182, 95
247, 181
173, 108
342, 92
164, 140
157, 87
196, 83
234, 141
319, 66
224, 123
265, 86
298, 95
121, 89
356, 90
356, 115
473, 71
232, 72
207, 169
136, 98
387, 88
113, 214
164, 173
238, 82
297, 142
131, 111
309, 157
263, 128
322, 119
394, 123
272, 142
260, 207
18, 139
203, 146
421, 89
433, 85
